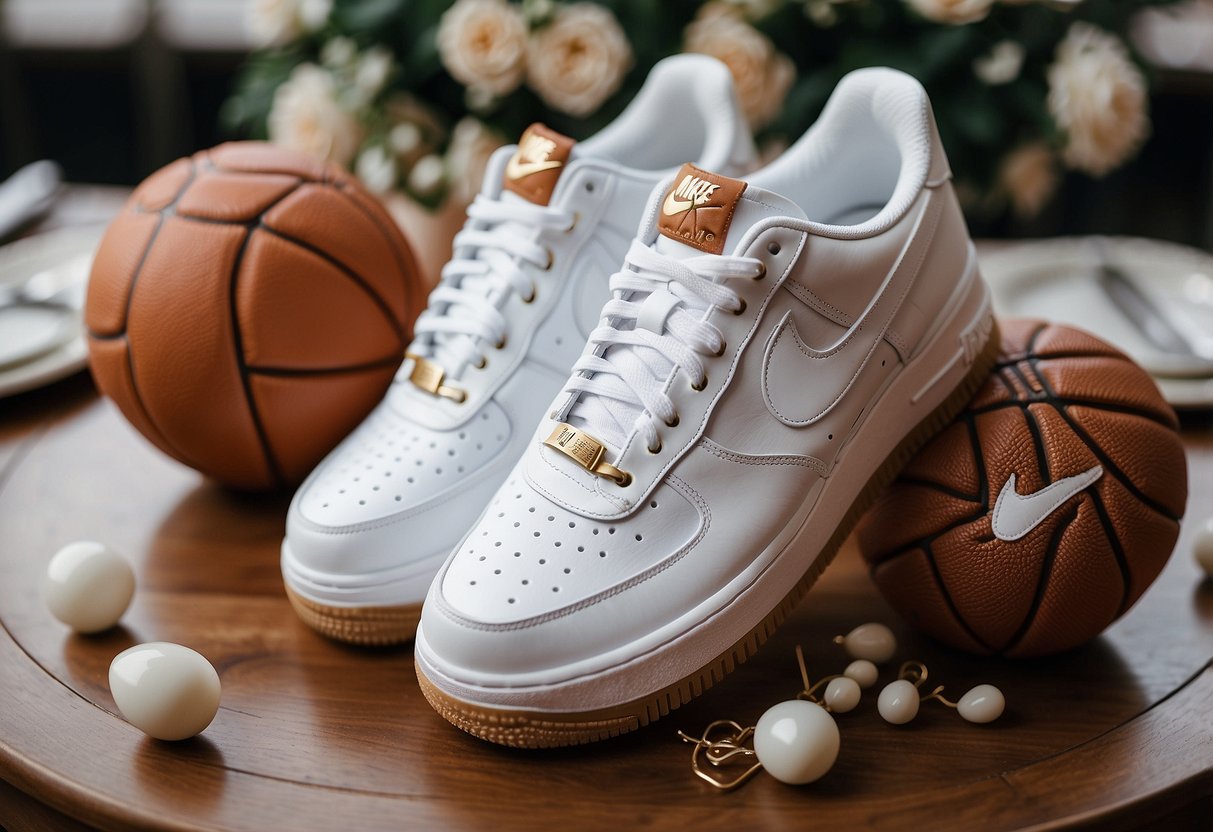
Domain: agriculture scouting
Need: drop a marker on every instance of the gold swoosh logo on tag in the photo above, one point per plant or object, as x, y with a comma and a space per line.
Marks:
673, 206
517, 169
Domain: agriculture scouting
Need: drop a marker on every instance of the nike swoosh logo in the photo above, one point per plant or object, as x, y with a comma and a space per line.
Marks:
515, 168
800, 384
1017, 514
673, 206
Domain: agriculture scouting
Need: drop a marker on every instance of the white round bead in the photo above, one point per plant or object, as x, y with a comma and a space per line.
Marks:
872, 641
796, 741
1203, 547
863, 672
165, 690
88, 586
983, 703
842, 694
898, 702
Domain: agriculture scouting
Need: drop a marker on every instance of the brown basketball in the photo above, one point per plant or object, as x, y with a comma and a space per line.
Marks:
995, 566
247, 309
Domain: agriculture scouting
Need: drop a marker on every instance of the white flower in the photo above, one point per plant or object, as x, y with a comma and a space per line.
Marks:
372, 73
762, 73
338, 53
467, 156
425, 179
1097, 96
952, 11
482, 44
579, 59
377, 169
404, 138
306, 116
1001, 64
1028, 176
277, 22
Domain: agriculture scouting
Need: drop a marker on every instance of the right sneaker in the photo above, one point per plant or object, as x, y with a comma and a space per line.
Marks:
368, 530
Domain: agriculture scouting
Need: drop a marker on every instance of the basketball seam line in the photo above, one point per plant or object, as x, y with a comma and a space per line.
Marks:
940, 487
1042, 579
1109, 530
1042, 460
391, 360
948, 600
1052, 356
412, 269
1072, 402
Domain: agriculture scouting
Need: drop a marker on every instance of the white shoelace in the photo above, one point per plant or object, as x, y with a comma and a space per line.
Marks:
464, 315
621, 384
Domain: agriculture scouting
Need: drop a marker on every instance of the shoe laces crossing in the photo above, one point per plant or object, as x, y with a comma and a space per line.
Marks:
621, 382
463, 318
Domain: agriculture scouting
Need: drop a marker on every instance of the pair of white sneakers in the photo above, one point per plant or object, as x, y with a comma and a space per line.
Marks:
605, 508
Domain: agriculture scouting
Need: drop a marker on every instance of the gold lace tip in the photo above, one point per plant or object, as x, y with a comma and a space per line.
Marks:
430, 377
586, 451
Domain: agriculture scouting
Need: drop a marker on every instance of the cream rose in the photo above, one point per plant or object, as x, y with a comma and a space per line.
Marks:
575, 62
305, 115
1097, 97
762, 73
1028, 176
952, 11
482, 44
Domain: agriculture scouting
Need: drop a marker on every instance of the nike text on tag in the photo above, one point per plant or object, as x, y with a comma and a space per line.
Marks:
1017, 514
535, 167
699, 207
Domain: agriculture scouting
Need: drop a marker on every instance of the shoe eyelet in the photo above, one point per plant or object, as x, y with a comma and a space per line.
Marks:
762, 272
774, 247
551, 260
656, 450
576, 219
723, 346
482, 363
674, 423
530, 298
698, 388
624, 481
500, 345
739, 310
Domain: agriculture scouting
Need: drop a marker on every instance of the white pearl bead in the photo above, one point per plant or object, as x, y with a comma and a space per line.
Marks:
983, 703
796, 741
1203, 547
863, 672
842, 694
898, 702
872, 641
165, 690
88, 586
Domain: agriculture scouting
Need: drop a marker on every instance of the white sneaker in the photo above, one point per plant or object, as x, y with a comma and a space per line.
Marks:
369, 528
767, 363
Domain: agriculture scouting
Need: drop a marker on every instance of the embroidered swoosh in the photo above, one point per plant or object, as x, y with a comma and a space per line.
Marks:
1017, 514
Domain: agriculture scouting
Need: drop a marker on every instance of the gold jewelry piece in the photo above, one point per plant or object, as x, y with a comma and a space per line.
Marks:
586, 451
428, 376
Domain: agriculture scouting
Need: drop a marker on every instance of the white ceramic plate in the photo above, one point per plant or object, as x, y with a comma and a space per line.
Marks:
1057, 280
46, 343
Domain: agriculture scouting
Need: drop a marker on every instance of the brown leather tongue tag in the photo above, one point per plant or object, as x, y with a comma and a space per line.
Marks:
536, 165
698, 208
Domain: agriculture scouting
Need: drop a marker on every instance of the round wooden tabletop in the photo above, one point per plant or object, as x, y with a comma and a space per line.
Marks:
314, 735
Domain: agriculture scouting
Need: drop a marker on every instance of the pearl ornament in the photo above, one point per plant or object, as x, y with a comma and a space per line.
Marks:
984, 703
842, 694
898, 702
1203, 547
165, 690
871, 641
796, 741
863, 672
88, 586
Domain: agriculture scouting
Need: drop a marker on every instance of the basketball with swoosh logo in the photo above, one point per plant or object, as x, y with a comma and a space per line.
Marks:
1044, 511
248, 308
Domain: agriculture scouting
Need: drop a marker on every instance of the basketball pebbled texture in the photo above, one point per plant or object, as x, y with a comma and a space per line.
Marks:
248, 308
1058, 403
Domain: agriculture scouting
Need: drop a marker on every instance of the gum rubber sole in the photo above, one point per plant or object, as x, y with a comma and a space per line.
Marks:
534, 729
366, 626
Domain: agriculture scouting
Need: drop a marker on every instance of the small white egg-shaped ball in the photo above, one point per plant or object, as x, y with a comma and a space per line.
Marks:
863, 672
165, 690
842, 694
88, 586
983, 703
898, 702
796, 741
1203, 547
871, 641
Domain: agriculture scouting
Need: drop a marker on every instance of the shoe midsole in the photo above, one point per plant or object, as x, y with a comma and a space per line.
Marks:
404, 585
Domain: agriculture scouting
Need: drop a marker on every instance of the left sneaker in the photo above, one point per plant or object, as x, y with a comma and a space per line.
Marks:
766, 364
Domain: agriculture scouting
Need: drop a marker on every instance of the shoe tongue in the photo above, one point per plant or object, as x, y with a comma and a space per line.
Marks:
535, 168
704, 212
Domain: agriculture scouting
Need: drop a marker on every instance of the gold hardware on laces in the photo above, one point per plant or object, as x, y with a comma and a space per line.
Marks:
586, 451
429, 377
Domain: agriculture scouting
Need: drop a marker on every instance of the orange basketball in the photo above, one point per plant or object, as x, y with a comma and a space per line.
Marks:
247, 309
1044, 511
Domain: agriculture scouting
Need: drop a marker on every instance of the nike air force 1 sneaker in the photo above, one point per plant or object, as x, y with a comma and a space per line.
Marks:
369, 528
774, 350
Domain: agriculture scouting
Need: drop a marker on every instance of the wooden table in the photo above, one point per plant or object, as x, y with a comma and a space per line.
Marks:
314, 735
